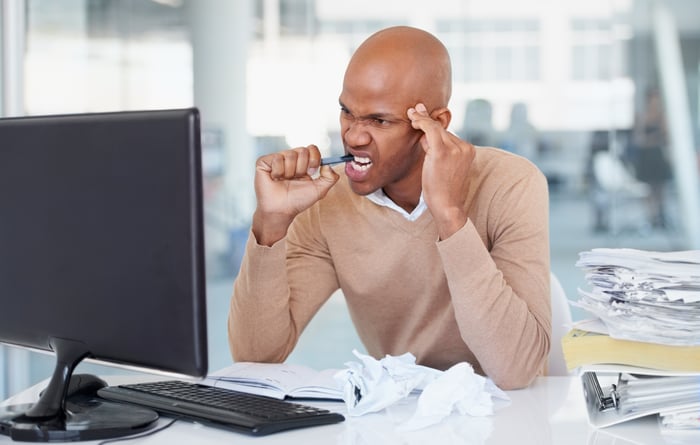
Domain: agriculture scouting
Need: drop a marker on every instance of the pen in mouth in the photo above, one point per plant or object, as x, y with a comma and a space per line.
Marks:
336, 159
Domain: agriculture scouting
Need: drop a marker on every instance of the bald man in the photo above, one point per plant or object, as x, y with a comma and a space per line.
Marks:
440, 247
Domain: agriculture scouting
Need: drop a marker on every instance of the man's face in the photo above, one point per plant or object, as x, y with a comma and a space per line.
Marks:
375, 129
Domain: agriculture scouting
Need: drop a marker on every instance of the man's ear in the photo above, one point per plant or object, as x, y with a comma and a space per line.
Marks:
442, 115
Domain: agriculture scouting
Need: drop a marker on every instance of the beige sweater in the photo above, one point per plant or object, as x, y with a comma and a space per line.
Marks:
480, 296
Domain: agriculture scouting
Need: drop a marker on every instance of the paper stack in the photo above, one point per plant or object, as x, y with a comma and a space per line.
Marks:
643, 295
648, 307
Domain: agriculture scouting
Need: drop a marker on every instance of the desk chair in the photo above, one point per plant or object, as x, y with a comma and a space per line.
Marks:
561, 323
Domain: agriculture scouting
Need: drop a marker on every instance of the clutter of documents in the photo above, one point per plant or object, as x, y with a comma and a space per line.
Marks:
640, 355
644, 296
370, 385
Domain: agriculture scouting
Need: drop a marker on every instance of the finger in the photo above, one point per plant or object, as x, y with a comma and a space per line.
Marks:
302, 162
264, 164
276, 162
327, 172
433, 129
435, 136
314, 160
419, 116
282, 165
314, 156
290, 164
326, 179
421, 119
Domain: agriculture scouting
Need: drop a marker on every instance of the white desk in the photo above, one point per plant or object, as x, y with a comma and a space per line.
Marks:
551, 411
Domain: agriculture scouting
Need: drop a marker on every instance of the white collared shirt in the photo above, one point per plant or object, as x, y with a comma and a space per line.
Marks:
380, 198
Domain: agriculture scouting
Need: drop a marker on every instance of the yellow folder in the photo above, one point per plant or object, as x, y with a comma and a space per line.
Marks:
589, 348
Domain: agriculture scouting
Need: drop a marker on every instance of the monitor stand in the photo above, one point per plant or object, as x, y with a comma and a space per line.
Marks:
82, 416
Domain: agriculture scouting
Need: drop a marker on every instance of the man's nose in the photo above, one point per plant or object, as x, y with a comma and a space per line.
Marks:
356, 134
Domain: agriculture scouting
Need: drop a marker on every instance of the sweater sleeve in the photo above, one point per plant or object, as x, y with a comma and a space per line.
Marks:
277, 292
500, 289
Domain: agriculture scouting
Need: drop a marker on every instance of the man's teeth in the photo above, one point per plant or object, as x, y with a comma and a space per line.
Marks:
361, 160
361, 163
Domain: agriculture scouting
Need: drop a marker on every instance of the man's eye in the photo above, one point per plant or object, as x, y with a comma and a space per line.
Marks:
379, 122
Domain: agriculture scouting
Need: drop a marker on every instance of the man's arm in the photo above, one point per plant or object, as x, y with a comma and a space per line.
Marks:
260, 301
500, 292
265, 319
278, 290
499, 285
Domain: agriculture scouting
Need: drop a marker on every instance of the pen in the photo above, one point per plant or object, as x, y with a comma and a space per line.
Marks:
336, 159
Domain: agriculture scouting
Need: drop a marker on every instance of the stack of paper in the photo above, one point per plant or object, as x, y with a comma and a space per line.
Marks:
644, 296
648, 304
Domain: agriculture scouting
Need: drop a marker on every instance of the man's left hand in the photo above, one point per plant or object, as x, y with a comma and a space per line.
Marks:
445, 171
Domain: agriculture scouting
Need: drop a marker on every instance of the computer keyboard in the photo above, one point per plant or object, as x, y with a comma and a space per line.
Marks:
220, 407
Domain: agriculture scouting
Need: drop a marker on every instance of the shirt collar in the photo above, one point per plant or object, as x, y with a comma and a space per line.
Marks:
380, 198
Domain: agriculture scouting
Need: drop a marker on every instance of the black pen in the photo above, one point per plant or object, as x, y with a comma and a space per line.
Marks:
336, 159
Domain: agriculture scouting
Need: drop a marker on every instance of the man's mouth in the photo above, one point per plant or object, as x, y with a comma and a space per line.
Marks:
360, 163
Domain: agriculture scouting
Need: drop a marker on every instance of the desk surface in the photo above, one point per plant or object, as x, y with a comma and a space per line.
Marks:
551, 411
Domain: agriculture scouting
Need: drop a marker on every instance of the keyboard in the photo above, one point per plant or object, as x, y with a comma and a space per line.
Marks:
220, 407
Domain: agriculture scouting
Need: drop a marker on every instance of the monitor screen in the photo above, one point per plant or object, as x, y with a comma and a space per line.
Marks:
101, 244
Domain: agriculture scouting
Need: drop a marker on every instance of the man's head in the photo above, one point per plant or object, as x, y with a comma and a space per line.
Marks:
393, 70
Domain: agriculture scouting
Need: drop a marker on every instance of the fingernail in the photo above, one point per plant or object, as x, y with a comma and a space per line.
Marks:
421, 107
312, 171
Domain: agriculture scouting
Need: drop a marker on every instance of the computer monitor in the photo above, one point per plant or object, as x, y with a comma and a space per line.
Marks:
101, 257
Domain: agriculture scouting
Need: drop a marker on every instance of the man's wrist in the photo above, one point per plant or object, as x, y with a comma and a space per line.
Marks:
450, 223
270, 228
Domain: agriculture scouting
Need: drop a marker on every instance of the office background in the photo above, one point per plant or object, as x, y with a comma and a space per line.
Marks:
558, 81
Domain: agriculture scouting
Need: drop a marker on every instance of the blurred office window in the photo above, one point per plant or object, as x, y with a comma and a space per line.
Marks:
493, 49
592, 46
563, 80
102, 55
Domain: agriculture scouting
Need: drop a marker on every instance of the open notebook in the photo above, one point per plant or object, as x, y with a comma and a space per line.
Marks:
278, 380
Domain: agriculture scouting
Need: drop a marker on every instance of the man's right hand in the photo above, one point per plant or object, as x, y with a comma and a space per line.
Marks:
284, 187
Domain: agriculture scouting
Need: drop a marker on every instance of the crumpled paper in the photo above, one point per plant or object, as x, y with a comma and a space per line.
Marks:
372, 385
459, 388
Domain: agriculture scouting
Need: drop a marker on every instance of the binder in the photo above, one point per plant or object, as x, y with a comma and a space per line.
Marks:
616, 393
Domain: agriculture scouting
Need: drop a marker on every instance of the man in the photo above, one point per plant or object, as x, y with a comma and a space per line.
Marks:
440, 248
